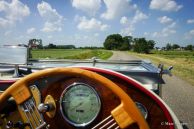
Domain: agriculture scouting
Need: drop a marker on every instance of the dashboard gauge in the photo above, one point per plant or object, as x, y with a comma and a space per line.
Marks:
80, 104
142, 109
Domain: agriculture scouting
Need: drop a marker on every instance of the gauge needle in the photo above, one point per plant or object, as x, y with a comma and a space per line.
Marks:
65, 101
78, 118
79, 104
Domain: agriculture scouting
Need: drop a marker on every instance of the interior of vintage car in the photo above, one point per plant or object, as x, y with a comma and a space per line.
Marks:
85, 97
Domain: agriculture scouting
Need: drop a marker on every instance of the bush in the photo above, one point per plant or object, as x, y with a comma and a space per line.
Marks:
141, 45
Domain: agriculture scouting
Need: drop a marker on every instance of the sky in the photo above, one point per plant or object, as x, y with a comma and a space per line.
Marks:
89, 22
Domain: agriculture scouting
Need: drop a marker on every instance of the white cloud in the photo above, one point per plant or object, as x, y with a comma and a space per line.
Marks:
51, 27
85, 40
156, 34
124, 20
31, 30
127, 30
91, 24
50, 37
96, 34
190, 34
190, 21
54, 21
116, 8
167, 31
7, 33
130, 23
146, 33
172, 25
165, 20
5, 22
139, 16
13, 12
165, 5
88, 6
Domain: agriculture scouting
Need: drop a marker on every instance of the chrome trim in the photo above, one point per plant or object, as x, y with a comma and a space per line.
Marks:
61, 107
142, 106
16, 46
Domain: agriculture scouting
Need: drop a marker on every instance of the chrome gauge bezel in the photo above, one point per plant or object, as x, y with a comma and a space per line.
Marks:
144, 108
62, 110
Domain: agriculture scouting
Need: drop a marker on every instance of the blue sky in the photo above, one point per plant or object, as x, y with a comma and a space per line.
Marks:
88, 22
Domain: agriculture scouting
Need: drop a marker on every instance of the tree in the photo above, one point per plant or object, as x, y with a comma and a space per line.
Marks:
39, 43
35, 43
65, 47
168, 46
117, 42
126, 45
189, 47
151, 44
51, 45
141, 45
175, 46
113, 42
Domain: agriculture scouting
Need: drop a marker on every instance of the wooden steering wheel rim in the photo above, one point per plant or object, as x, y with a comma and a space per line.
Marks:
125, 114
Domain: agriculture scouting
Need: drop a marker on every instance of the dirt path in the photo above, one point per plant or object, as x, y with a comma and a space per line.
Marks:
117, 55
177, 93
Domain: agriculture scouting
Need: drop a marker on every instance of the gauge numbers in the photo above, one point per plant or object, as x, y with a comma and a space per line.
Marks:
80, 104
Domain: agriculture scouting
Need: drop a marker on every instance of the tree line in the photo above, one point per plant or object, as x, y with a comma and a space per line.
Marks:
170, 46
117, 42
53, 46
114, 42
140, 45
37, 44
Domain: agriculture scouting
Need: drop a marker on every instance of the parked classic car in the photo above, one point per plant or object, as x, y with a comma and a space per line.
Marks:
81, 93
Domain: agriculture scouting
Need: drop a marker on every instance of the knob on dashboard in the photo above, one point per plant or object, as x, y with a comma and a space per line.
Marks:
50, 101
9, 125
18, 124
44, 107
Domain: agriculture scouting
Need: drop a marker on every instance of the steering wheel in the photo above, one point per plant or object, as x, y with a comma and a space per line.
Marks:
124, 114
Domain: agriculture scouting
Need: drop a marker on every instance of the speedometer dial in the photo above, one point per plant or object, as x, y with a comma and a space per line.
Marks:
80, 104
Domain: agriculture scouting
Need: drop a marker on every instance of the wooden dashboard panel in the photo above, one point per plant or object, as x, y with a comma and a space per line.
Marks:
108, 99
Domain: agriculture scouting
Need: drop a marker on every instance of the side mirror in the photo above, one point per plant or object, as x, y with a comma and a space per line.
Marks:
170, 68
168, 71
165, 71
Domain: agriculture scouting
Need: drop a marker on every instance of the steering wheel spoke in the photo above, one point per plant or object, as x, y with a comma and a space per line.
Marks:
122, 117
21, 93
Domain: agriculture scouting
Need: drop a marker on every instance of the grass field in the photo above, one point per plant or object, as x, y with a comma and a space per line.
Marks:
182, 61
175, 54
69, 54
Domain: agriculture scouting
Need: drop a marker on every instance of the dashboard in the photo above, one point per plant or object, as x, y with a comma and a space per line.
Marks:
77, 102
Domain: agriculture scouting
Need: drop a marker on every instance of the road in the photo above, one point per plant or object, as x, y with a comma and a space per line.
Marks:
177, 93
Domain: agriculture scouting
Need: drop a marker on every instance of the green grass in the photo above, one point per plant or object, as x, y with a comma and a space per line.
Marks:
182, 61
175, 54
70, 54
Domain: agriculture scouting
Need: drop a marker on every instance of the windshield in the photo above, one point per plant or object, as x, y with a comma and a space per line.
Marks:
97, 24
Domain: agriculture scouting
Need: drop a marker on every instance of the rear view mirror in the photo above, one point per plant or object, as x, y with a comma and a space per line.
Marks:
13, 55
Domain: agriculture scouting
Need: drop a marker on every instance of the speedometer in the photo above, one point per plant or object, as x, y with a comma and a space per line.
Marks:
80, 104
